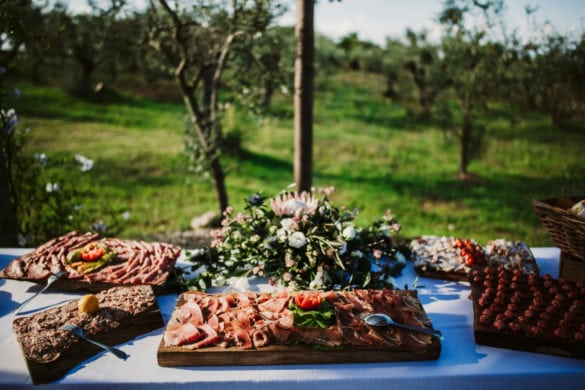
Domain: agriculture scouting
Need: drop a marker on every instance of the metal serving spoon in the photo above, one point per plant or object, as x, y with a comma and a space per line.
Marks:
79, 332
382, 319
52, 279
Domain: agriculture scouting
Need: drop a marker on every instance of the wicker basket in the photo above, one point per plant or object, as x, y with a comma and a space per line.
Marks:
566, 230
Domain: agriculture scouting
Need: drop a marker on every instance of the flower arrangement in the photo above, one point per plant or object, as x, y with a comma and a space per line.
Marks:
300, 241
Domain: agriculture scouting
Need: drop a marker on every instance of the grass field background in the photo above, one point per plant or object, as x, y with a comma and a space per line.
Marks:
374, 154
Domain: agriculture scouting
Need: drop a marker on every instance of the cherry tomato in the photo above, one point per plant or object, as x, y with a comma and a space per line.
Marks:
308, 300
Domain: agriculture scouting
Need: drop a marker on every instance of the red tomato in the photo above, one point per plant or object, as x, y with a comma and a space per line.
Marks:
308, 300
92, 254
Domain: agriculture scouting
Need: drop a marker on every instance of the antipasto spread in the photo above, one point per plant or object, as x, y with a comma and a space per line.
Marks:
250, 320
90, 259
453, 258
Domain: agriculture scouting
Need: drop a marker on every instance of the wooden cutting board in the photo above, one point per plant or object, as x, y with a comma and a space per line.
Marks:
522, 338
82, 350
294, 354
170, 286
460, 276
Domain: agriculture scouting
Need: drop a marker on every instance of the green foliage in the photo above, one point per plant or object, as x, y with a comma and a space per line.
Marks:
375, 156
45, 197
376, 152
301, 241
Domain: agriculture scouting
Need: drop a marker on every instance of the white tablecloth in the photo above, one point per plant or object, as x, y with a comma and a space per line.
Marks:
462, 363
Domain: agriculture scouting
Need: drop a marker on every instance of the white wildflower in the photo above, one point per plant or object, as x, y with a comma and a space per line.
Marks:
238, 283
348, 233
42, 158
281, 235
219, 281
317, 283
52, 187
86, 163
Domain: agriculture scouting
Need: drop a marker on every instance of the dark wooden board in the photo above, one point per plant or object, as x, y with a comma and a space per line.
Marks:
522, 340
294, 354
77, 285
82, 350
455, 276
571, 267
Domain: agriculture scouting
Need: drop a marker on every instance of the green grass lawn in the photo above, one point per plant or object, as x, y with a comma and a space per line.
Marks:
365, 146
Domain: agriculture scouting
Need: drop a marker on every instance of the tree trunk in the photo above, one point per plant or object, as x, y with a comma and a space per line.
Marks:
303, 98
84, 82
8, 222
219, 181
465, 145
214, 162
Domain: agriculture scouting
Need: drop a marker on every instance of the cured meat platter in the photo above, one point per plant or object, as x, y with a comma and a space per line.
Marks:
120, 314
526, 312
263, 329
92, 263
452, 258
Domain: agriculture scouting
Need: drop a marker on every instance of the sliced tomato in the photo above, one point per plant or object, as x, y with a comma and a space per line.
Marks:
92, 254
308, 300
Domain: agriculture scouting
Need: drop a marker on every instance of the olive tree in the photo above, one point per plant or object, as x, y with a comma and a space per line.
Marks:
470, 57
196, 40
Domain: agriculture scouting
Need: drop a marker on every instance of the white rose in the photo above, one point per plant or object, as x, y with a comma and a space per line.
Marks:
297, 240
348, 233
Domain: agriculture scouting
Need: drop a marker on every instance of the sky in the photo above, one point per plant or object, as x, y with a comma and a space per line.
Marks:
375, 20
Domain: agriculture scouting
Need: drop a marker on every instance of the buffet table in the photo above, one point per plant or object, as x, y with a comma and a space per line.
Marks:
462, 363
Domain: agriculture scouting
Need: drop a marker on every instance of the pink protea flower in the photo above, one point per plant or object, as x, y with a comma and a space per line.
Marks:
294, 204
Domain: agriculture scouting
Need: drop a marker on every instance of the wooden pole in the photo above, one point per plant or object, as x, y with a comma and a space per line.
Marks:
303, 96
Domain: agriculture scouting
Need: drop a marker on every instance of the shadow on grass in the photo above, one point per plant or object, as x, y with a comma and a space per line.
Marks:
52, 103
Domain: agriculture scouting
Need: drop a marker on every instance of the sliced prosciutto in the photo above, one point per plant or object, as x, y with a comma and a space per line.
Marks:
248, 320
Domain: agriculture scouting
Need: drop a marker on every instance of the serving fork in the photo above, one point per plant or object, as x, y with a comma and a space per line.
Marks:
52, 279
76, 330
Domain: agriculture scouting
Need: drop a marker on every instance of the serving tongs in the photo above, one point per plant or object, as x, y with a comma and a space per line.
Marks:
382, 319
76, 330
52, 279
